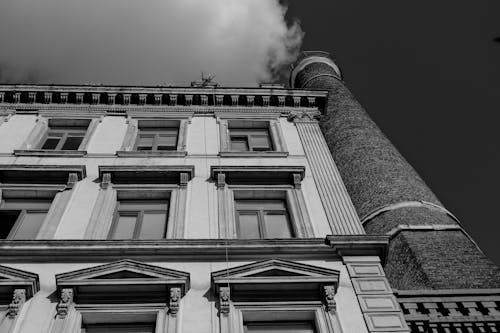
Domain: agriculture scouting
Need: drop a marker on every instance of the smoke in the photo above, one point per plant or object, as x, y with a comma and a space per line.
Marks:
144, 41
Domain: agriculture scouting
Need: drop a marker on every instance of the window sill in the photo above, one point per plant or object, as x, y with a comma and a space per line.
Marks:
146, 153
52, 153
258, 154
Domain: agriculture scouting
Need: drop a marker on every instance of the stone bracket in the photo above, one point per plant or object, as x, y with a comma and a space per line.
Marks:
18, 299
65, 302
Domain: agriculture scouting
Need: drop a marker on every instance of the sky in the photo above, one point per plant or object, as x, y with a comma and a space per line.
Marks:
428, 72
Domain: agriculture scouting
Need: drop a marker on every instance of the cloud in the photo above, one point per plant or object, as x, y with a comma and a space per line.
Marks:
144, 41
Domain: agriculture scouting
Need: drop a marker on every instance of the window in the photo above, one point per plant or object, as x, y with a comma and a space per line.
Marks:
140, 202
155, 137
125, 296
277, 296
22, 218
59, 136
261, 202
279, 327
65, 134
249, 137
262, 219
119, 328
140, 219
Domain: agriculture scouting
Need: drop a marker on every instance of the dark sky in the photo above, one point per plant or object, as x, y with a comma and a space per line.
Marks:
428, 73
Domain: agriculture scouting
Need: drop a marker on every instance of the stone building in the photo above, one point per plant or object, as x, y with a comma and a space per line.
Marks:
207, 209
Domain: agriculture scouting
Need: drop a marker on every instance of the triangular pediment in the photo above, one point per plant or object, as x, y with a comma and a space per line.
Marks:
274, 268
123, 270
16, 278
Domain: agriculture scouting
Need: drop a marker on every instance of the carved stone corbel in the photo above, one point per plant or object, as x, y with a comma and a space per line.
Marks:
17, 97
64, 98
18, 299
158, 98
281, 100
224, 299
95, 98
250, 100
189, 99
111, 99
32, 97
173, 99
265, 100
126, 99
72, 180
234, 100
65, 303
221, 180
47, 97
219, 99
106, 180
296, 101
142, 99
184, 178
311, 101
297, 181
329, 294
204, 100
79, 98
175, 298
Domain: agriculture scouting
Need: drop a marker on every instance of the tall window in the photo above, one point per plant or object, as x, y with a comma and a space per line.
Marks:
262, 219
22, 218
250, 139
65, 134
140, 219
279, 327
157, 135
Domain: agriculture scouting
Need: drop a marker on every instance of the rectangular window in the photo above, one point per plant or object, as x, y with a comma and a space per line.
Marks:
140, 219
119, 328
22, 218
65, 134
157, 135
279, 327
250, 139
262, 219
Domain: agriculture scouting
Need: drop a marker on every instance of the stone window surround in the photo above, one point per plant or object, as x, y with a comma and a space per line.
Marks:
127, 148
24, 285
34, 139
224, 121
60, 192
70, 314
233, 311
296, 205
104, 209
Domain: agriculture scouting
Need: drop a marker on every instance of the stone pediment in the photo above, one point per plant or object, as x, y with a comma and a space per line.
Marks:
123, 280
275, 270
11, 279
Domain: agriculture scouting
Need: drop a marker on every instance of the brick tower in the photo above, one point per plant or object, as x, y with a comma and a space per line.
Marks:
429, 250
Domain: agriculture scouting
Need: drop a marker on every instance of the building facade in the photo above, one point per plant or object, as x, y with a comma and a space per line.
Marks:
213, 209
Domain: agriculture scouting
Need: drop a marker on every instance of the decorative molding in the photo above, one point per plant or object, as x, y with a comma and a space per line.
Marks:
224, 300
304, 116
329, 294
105, 180
175, 297
66, 301
297, 181
159, 174
339, 209
31, 174
18, 299
72, 180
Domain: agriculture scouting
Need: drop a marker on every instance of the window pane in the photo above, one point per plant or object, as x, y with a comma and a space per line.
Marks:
30, 225
277, 226
72, 143
248, 225
51, 143
145, 140
281, 327
153, 225
124, 228
7, 221
239, 143
260, 142
167, 142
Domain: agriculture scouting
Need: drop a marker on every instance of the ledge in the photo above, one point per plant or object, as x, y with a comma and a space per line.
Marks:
253, 154
165, 153
52, 153
40, 174
360, 245
184, 249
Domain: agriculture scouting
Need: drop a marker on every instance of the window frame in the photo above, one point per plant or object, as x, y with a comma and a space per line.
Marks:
32, 146
248, 135
281, 182
271, 122
130, 141
21, 218
140, 213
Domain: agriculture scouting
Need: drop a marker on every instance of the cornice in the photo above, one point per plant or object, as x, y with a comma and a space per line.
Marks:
187, 250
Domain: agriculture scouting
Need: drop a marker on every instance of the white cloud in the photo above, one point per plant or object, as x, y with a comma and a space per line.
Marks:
144, 41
